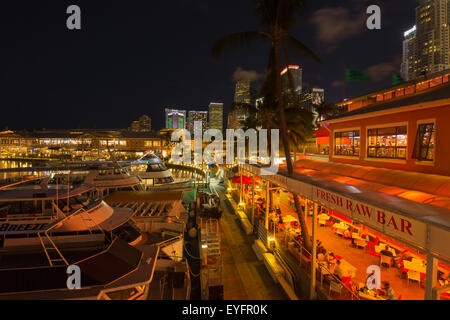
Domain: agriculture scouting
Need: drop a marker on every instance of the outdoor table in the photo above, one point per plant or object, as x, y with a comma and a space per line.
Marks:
340, 226
358, 237
323, 216
414, 266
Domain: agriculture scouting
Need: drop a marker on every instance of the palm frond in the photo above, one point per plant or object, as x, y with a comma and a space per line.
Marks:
237, 39
301, 48
289, 12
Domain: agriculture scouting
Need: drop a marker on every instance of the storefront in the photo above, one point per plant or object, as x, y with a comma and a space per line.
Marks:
401, 224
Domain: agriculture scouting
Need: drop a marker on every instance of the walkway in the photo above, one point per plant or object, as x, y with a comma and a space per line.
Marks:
244, 277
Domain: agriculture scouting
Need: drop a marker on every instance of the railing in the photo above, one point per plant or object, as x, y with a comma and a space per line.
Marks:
321, 267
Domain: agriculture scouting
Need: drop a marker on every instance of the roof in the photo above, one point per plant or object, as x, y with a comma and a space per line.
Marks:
418, 187
438, 93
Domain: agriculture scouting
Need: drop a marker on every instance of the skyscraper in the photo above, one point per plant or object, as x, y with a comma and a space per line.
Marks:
242, 96
432, 44
407, 67
197, 116
175, 119
296, 73
216, 116
312, 97
318, 95
144, 124
242, 92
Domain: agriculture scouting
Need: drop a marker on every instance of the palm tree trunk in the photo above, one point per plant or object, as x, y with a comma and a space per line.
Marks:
300, 213
301, 218
284, 137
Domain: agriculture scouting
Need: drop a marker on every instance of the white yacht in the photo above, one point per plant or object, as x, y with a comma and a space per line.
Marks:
155, 175
44, 228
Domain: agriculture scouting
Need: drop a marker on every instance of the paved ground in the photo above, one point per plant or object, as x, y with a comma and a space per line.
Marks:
244, 277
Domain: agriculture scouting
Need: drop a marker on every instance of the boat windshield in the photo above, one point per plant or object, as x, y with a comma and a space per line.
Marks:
128, 232
155, 167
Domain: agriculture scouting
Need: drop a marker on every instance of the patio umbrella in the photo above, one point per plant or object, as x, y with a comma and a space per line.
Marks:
245, 180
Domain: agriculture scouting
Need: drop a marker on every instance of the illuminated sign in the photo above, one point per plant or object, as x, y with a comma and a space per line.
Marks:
290, 67
407, 33
379, 219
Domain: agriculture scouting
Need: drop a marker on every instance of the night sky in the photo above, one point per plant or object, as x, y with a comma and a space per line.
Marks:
138, 57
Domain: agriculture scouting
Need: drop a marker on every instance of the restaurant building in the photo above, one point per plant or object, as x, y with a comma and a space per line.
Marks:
382, 199
77, 144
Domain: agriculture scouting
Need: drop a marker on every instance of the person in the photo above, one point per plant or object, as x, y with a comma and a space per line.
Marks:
347, 234
331, 259
321, 256
388, 291
339, 271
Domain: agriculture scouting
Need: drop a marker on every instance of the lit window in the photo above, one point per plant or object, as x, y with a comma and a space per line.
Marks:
388, 143
346, 143
424, 145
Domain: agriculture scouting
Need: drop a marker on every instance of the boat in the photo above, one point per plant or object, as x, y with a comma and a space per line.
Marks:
155, 175
47, 228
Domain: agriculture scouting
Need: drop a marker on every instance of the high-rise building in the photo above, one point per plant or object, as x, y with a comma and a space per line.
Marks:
197, 116
242, 92
144, 124
296, 73
175, 119
312, 97
242, 97
216, 116
407, 67
135, 126
432, 44
318, 96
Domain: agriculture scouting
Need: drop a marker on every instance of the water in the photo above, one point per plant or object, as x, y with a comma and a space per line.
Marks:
7, 164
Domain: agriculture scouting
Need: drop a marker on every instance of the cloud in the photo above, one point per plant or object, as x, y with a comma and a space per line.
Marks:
338, 83
384, 70
333, 25
241, 74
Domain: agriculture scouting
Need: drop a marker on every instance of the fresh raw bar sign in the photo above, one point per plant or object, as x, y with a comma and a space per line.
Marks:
378, 219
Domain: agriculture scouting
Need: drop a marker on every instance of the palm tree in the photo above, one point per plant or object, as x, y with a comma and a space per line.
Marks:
277, 18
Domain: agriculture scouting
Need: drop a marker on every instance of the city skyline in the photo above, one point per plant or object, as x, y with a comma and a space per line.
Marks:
52, 75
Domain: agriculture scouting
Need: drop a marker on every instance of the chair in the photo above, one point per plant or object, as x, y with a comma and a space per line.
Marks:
322, 222
413, 275
335, 287
385, 260
361, 243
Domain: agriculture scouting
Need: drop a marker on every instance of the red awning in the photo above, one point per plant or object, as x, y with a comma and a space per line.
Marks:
245, 180
322, 132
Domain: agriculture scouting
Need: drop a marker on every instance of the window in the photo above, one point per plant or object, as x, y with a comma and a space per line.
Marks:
424, 145
346, 143
388, 143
